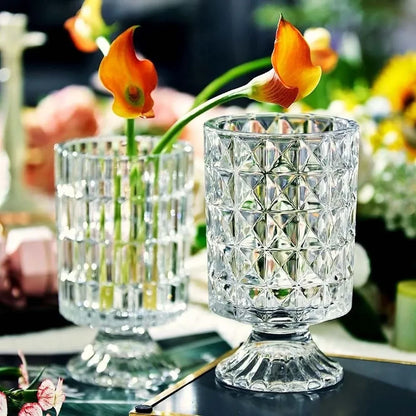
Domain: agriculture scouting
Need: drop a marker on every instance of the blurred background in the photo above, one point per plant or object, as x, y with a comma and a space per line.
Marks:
193, 41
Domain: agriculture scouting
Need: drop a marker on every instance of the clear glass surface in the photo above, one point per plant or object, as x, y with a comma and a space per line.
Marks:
281, 193
124, 227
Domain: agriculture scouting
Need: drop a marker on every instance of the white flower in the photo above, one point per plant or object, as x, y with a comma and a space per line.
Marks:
3, 404
361, 266
378, 107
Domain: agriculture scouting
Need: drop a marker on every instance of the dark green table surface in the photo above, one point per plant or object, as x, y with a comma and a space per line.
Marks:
368, 388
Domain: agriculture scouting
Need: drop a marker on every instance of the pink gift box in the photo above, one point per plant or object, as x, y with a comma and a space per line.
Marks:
31, 253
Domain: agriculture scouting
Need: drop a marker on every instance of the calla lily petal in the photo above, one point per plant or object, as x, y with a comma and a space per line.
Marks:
293, 75
87, 25
319, 41
269, 88
291, 59
129, 79
80, 36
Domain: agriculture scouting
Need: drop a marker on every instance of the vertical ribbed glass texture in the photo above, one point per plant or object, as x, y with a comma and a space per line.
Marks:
124, 227
281, 201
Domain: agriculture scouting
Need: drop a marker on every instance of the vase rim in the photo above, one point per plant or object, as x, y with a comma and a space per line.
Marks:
340, 125
74, 147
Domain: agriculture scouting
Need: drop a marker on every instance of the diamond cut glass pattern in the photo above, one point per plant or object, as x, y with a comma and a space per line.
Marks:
281, 203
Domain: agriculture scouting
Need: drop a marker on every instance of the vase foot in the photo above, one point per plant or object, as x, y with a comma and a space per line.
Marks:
133, 361
279, 363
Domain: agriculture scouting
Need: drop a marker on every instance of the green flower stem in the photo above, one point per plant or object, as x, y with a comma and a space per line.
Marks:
136, 201
117, 208
117, 224
150, 296
169, 137
224, 79
136, 205
131, 138
106, 288
229, 76
103, 44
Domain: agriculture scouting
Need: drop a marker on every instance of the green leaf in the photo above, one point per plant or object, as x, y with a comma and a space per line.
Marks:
36, 379
10, 372
200, 240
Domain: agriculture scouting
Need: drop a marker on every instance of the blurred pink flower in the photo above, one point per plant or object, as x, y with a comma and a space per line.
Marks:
194, 131
69, 113
50, 396
30, 409
3, 404
169, 105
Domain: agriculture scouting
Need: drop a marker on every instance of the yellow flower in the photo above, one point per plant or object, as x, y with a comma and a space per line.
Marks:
397, 81
390, 136
410, 113
348, 97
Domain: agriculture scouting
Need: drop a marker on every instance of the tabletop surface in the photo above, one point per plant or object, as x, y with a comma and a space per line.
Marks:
368, 388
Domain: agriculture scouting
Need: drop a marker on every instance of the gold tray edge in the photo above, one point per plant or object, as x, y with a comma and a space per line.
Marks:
376, 359
186, 380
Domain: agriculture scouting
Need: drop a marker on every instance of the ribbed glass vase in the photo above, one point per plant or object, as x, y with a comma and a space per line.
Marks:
124, 227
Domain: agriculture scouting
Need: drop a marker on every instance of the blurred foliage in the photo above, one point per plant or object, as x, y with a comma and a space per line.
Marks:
363, 321
344, 15
369, 20
346, 75
200, 240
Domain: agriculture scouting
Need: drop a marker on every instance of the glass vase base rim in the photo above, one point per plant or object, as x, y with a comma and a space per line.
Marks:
283, 387
145, 387
279, 366
133, 363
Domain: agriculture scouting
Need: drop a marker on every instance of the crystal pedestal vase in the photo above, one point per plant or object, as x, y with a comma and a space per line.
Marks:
281, 202
124, 226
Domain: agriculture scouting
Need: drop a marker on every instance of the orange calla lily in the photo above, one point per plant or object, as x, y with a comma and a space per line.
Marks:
87, 25
319, 41
129, 79
293, 76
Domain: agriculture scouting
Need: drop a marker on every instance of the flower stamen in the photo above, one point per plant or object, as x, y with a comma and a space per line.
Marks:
134, 95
